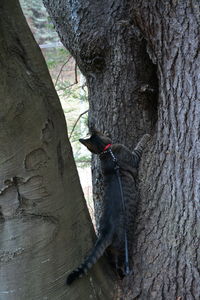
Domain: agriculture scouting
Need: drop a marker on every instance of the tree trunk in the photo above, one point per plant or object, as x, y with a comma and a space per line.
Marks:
110, 41
121, 79
167, 257
45, 229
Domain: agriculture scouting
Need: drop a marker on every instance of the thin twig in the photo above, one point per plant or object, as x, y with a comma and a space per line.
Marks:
74, 83
75, 77
61, 69
77, 122
83, 161
76, 73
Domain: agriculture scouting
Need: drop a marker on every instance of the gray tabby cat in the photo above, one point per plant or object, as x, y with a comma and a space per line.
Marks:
119, 167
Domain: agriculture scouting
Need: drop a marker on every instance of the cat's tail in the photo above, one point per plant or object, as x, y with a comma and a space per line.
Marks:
102, 243
137, 152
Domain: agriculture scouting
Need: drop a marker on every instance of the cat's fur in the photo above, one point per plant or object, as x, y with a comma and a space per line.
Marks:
115, 220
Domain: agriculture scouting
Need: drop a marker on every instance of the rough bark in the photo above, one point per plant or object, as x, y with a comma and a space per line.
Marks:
110, 41
42, 210
167, 261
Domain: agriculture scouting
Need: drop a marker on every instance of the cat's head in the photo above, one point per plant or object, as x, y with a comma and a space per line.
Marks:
97, 142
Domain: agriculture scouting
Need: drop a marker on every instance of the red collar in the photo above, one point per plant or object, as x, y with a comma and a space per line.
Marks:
106, 147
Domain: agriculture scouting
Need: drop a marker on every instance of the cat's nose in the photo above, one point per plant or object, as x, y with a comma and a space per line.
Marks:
81, 141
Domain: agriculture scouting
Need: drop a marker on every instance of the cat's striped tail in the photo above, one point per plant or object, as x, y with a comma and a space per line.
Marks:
137, 152
98, 250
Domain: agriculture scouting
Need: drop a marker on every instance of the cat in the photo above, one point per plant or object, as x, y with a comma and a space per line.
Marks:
119, 168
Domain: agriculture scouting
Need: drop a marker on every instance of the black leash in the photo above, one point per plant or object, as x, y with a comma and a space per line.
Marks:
117, 168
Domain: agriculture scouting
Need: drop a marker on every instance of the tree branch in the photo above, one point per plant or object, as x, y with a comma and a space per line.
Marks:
77, 122
62, 69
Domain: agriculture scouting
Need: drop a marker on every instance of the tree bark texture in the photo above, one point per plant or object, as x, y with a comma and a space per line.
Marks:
167, 256
43, 216
118, 45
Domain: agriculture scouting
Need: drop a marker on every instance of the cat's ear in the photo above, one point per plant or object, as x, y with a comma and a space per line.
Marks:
107, 133
91, 126
93, 130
